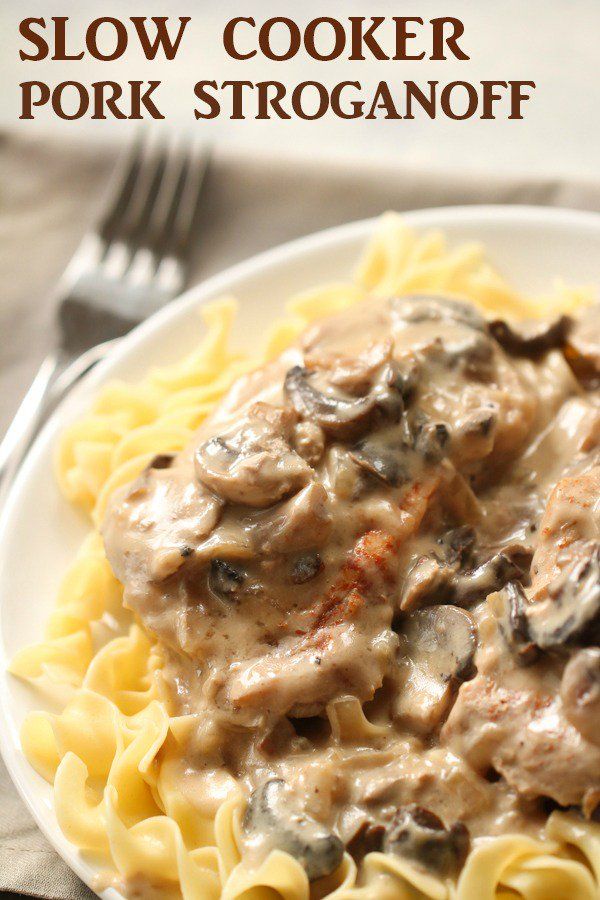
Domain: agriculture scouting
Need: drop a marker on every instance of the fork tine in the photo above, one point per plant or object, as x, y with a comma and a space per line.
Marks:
136, 223
179, 229
119, 198
157, 229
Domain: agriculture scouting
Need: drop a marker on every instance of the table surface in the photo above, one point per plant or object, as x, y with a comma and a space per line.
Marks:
553, 42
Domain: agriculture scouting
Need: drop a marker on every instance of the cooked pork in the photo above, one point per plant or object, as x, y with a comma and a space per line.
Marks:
375, 575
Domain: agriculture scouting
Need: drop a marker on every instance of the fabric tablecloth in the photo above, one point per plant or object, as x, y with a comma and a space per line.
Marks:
49, 193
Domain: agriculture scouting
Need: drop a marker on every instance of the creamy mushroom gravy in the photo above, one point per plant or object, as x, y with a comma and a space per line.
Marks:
376, 577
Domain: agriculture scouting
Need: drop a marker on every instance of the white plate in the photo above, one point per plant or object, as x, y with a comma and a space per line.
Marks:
40, 532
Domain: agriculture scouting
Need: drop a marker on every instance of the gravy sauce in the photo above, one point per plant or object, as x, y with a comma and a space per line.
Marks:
368, 573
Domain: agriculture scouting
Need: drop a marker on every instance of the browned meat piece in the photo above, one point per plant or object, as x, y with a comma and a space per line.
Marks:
328, 543
523, 733
416, 776
344, 646
571, 520
580, 692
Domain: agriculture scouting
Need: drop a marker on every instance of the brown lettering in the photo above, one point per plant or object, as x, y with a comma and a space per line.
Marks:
339, 37
403, 36
336, 101
297, 98
264, 101
229, 38
26, 31
27, 97
446, 100
82, 99
383, 100
264, 38
110, 103
237, 94
458, 29
162, 39
201, 92
138, 100
91, 39
360, 37
60, 40
517, 97
414, 92
489, 96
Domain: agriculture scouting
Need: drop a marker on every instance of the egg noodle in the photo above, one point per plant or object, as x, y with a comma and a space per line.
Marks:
111, 752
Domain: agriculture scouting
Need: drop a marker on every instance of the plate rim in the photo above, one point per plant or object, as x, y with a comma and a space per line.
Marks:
194, 297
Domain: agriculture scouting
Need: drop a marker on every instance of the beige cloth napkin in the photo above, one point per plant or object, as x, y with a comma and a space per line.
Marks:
49, 193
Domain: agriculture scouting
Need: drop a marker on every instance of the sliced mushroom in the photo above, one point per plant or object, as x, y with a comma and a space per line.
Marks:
306, 567
458, 544
356, 373
423, 308
583, 346
428, 580
368, 838
468, 347
570, 614
407, 381
474, 355
252, 464
225, 580
521, 555
531, 337
510, 609
230, 540
384, 463
439, 644
274, 818
344, 417
431, 440
490, 576
418, 834
580, 693
476, 433
162, 461
431, 580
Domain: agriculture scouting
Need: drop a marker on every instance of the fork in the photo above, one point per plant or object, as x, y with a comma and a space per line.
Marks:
133, 261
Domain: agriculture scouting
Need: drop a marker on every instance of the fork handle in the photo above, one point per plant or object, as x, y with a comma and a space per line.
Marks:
28, 418
55, 377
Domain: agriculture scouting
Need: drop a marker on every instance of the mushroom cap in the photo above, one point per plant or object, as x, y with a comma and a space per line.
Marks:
343, 416
531, 337
384, 463
441, 640
419, 835
433, 308
570, 614
252, 464
580, 692
439, 645
274, 814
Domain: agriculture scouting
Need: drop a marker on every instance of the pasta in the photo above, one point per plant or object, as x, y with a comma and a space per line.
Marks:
112, 752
